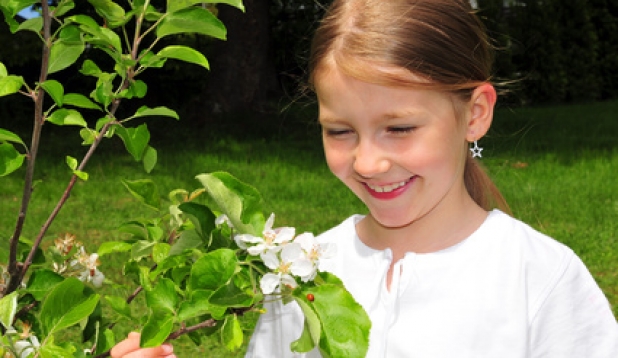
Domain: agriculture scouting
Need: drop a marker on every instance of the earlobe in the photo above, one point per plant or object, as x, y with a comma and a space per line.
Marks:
482, 105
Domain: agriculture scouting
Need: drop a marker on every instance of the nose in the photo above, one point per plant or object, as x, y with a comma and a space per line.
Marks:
369, 159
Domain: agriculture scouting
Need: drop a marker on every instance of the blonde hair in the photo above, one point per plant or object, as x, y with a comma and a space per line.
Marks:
440, 45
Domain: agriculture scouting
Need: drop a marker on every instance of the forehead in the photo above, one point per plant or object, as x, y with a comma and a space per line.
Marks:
342, 97
368, 71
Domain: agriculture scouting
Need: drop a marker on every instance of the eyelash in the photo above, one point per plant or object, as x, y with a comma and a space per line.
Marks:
336, 132
401, 130
394, 130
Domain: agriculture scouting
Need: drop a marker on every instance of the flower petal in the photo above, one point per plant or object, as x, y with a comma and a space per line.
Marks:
291, 252
269, 283
270, 222
307, 241
270, 259
303, 268
288, 281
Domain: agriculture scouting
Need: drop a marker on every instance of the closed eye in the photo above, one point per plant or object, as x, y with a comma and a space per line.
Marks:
337, 132
401, 130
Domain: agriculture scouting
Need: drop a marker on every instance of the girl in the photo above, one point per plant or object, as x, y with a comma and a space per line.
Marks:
403, 88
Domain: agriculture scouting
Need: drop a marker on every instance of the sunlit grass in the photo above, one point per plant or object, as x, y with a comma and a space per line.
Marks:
555, 165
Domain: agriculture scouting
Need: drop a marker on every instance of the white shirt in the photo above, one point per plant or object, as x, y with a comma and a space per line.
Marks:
505, 291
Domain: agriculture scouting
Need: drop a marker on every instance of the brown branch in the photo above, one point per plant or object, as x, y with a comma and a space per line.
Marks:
15, 269
65, 196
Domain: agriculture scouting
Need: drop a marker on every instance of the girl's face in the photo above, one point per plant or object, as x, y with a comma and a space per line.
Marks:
401, 151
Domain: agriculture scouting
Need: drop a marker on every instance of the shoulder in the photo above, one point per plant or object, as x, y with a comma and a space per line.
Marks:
345, 231
524, 242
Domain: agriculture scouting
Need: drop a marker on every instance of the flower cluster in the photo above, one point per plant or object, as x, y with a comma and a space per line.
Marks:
77, 262
287, 255
25, 347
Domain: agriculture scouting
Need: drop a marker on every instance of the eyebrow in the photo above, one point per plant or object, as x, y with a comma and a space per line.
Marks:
402, 113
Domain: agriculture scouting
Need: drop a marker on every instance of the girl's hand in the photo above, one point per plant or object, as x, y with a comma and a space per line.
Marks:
129, 348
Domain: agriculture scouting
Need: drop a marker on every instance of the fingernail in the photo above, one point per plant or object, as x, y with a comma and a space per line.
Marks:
167, 349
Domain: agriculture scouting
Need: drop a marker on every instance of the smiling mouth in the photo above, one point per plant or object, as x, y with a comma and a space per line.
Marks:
388, 188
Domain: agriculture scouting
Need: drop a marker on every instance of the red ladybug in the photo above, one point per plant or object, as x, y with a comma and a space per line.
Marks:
310, 297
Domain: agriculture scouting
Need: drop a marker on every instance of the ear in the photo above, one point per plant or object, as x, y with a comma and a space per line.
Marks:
481, 111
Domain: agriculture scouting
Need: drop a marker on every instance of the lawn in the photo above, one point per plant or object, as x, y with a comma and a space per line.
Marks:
555, 165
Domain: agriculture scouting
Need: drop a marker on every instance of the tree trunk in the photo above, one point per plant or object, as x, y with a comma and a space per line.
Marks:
242, 74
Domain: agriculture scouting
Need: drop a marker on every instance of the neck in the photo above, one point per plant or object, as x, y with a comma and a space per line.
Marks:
440, 228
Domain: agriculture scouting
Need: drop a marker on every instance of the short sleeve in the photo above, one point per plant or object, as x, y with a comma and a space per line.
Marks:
575, 320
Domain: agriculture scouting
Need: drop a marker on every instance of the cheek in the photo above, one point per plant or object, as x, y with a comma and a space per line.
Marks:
336, 161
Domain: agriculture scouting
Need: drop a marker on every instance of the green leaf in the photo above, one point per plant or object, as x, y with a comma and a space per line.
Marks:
162, 298
34, 24
149, 59
213, 270
345, 324
136, 89
8, 309
231, 333
88, 135
89, 68
145, 191
191, 20
104, 91
144, 277
10, 8
135, 139
231, 296
71, 162
196, 306
3, 71
119, 305
160, 251
66, 50
101, 37
67, 117
310, 337
105, 341
110, 247
186, 54
10, 84
156, 329
241, 202
79, 100
141, 249
175, 5
7, 136
55, 91
113, 13
63, 7
41, 282
157, 111
10, 159
51, 350
81, 174
149, 159
201, 216
170, 262
66, 305
189, 239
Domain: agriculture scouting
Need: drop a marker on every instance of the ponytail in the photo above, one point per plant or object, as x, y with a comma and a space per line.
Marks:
481, 188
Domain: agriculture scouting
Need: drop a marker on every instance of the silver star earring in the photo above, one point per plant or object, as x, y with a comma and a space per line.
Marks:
476, 150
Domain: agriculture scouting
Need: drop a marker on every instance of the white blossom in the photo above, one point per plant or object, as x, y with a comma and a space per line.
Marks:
25, 347
90, 272
271, 239
223, 219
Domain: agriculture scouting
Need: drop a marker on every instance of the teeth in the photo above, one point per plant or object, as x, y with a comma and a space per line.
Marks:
387, 188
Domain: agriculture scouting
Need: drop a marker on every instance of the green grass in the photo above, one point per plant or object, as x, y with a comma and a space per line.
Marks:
555, 165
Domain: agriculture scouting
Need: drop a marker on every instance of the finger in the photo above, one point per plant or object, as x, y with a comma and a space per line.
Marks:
129, 348
126, 346
164, 351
